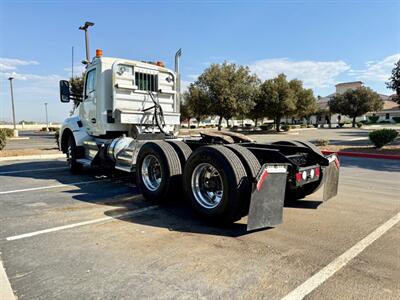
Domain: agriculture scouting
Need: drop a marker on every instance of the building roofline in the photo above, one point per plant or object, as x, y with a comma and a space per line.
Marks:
347, 83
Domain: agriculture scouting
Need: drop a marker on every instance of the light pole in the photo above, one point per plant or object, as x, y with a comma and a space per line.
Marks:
13, 108
47, 119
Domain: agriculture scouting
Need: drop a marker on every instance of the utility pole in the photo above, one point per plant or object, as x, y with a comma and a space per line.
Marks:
13, 107
72, 63
47, 119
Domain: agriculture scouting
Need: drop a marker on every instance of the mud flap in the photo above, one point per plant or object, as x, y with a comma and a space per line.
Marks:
331, 181
267, 199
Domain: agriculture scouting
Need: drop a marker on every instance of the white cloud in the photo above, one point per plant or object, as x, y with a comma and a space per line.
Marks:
314, 74
7, 64
376, 70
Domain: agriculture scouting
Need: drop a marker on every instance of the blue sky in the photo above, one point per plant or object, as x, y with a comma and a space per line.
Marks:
319, 42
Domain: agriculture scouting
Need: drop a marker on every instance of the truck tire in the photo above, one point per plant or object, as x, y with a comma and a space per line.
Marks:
159, 171
216, 184
182, 149
252, 166
72, 155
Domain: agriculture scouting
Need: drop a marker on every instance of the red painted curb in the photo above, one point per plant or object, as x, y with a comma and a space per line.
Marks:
364, 155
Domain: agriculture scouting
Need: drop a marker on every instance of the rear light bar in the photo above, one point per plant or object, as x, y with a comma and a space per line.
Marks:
309, 174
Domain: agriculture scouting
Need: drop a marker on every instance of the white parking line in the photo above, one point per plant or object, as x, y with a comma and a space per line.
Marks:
100, 220
324, 274
6, 292
32, 170
56, 186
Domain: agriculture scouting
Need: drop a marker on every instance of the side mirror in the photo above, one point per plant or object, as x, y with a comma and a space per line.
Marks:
65, 92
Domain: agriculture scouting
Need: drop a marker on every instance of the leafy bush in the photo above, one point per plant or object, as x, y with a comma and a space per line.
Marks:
373, 119
266, 126
359, 124
285, 127
322, 142
56, 136
3, 139
8, 132
53, 129
310, 126
303, 126
382, 137
396, 119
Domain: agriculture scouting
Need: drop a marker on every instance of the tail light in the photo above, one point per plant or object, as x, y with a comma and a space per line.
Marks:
298, 176
317, 172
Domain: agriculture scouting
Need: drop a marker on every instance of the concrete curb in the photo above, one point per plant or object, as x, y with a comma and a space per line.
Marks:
30, 157
363, 155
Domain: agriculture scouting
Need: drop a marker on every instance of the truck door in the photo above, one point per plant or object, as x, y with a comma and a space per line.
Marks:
88, 108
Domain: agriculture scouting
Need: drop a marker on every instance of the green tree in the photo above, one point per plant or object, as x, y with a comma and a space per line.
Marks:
229, 89
394, 81
278, 99
76, 84
198, 102
185, 112
355, 103
306, 104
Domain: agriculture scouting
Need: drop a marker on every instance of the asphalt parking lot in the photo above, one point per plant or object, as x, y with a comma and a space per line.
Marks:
93, 236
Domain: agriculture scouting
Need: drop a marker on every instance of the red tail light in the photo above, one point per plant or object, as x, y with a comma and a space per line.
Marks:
298, 176
317, 172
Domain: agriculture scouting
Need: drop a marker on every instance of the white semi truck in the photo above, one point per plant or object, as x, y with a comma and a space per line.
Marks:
128, 117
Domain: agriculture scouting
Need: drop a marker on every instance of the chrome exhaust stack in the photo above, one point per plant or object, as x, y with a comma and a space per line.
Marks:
178, 80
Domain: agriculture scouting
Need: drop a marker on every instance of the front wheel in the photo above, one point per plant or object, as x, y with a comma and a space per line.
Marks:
72, 154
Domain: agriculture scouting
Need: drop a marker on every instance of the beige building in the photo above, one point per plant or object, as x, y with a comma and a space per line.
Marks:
390, 108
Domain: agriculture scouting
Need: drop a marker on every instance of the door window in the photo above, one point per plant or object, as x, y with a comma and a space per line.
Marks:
90, 82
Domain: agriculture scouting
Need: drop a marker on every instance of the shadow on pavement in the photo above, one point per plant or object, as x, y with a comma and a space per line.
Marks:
119, 193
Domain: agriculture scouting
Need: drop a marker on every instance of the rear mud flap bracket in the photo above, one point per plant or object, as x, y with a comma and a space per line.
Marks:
267, 199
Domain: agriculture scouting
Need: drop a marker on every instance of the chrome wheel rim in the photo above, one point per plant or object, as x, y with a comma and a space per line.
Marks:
151, 172
207, 186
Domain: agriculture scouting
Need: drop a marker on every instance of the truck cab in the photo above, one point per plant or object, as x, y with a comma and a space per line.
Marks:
118, 93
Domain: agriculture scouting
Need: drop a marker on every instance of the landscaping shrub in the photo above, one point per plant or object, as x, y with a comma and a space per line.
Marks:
266, 126
310, 126
303, 126
50, 129
3, 139
382, 137
322, 142
285, 127
396, 119
8, 132
373, 119
359, 124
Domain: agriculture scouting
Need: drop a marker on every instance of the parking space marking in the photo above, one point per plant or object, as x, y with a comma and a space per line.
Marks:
56, 186
6, 292
32, 170
325, 273
100, 220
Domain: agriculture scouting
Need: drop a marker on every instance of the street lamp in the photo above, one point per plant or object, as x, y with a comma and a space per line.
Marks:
13, 108
47, 119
